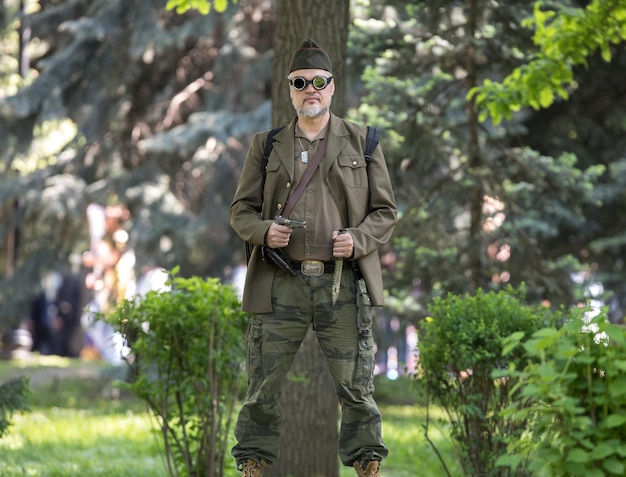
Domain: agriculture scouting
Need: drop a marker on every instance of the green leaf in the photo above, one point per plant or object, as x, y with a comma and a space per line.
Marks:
614, 466
602, 451
616, 333
546, 97
618, 388
509, 461
578, 456
221, 5
615, 420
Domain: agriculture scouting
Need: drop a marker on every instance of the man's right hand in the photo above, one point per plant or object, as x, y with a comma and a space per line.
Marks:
277, 236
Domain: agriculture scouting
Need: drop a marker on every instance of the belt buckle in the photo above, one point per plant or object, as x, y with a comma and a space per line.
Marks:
312, 268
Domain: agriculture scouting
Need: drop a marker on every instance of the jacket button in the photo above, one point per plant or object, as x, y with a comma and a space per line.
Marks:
279, 206
354, 163
288, 185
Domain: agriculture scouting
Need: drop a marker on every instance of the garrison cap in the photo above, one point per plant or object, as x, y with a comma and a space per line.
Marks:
310, 55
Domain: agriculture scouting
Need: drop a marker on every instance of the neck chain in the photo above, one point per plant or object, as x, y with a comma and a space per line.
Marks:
304, 155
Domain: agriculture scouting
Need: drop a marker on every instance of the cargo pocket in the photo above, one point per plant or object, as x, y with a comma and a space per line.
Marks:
364, 369
254, 362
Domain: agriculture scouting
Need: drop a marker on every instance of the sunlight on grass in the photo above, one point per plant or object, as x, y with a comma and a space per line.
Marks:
410, 454
68, 442
86, 426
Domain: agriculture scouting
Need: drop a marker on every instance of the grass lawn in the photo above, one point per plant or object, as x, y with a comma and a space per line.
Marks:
80, 424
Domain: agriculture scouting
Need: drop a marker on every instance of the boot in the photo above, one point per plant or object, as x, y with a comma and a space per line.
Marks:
251, 468
371, 470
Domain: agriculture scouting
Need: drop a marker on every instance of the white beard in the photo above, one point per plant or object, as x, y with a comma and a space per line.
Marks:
313, 112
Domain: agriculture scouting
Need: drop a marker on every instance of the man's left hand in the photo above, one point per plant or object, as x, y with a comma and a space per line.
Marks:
343, 245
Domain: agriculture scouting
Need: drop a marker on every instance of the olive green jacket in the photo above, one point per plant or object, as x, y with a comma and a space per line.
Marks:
363, 194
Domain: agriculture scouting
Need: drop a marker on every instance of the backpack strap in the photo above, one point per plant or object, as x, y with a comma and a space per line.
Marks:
269, 144
371, 141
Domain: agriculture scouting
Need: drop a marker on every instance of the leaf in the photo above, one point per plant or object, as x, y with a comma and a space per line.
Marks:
614, 466
618, 388
512, 342
616, 334
546, 97
615, 420
578, 456
606, 52
221, 5
511, 461
603, 450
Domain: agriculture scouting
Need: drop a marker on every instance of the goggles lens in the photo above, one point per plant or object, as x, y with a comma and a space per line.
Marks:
319, 82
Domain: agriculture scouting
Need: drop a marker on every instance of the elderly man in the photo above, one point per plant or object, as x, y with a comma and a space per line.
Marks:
316, 213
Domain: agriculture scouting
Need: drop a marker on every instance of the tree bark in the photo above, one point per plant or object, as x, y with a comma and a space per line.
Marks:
309, 413
476, 191
308, 406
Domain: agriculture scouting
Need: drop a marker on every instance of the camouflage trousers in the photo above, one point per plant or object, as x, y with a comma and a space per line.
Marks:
273, 340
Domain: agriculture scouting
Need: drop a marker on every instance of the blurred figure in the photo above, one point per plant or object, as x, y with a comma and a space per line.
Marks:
43, 314
68, 311
55, 315
111, 279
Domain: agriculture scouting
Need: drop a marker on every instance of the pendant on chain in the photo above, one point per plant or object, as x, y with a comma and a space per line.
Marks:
304, 157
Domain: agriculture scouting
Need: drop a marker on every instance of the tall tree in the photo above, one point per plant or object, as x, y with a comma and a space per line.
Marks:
161, 132
479, 208
308, 404
574, 80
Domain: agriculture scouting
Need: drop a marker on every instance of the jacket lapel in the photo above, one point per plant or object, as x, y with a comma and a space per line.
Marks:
338, 137
284, 147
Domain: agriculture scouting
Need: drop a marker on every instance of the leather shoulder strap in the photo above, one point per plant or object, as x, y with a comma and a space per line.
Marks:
310, 170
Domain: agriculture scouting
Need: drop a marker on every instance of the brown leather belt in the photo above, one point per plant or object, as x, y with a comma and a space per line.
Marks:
313, 268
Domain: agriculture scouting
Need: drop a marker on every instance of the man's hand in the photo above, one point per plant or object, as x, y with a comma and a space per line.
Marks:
277, 236
343, 244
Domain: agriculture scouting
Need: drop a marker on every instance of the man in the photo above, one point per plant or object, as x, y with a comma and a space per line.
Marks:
349, 210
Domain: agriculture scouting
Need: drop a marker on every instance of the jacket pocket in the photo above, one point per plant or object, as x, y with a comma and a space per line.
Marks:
354, 170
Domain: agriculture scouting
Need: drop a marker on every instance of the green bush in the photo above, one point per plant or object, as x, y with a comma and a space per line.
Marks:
187, 355
460, 345
572, 394
14, 397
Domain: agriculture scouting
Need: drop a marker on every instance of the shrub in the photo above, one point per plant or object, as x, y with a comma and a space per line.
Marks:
187, 354
572, 394
460, 344
14, 396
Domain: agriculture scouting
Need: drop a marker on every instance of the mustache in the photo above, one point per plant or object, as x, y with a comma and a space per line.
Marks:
312, 96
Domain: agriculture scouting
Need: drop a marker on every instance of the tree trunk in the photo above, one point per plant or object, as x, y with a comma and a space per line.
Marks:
477, 191
308, 406
309, 413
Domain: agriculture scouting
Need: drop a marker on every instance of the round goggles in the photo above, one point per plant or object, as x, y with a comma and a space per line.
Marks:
319, 82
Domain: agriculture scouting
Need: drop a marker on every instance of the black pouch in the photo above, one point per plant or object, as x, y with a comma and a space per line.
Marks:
279, 259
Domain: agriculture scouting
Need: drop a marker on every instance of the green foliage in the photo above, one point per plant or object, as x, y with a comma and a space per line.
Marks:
460, 347
188, 350
572, 394
14, 395
469, 198
565, 38
203, 6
